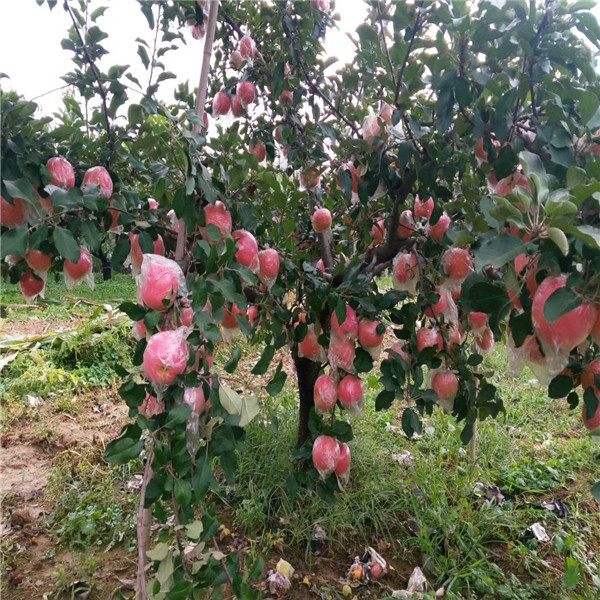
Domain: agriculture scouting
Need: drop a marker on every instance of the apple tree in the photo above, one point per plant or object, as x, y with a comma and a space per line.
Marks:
455, 157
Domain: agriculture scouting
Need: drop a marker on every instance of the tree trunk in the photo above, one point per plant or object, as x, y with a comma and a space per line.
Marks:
106, 267
307, 371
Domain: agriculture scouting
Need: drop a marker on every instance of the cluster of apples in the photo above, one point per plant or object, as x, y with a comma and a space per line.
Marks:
19, 212
161, 287
237, 103
264, 263
245, 92
341, 383
407, 227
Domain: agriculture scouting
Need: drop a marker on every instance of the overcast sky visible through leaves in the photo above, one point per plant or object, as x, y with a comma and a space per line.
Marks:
32, 57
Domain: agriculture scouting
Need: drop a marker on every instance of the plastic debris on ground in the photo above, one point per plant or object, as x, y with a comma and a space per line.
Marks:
371, 565
536, 531
278, 580
417, 587
405, 459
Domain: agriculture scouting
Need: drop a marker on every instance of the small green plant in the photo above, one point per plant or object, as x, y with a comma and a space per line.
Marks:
92, 505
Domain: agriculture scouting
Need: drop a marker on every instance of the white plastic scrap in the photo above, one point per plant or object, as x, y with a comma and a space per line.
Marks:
540, 533
416, 588
404, 459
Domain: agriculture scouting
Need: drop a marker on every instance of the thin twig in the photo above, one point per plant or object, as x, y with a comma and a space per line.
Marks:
410, 134
200, 101
62, 87
325, 246
186, 569
101, 89
327, 101
155, 44
223, 563
408, 51
387, 52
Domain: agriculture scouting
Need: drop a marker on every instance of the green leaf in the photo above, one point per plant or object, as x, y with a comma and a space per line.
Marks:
559, 303
66, 245
328, 131
153, 318
133, 393
560, 386
277, 381
91, 234
21, 188
143, 54
38, 236
230, 400
134, 311
177, 416
120, 252
183, 493
202, 480
136, 114
479, 295
559, 238
277, 80
246, 408
14, 241
590, 401
588, 105
262, 366
125, 448
498, 250
596, 491
232, 363
534, 170
588, 233
363, 362
384, 399
159, 552
250, 409
342, 431
411, 423
98, 13
194, 530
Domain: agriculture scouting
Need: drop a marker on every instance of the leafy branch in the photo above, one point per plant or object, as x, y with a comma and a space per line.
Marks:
101, 90
417, 26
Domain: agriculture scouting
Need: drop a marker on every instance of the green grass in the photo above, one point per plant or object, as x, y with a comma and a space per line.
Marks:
63, 304
428, 510
77, 362
92, 504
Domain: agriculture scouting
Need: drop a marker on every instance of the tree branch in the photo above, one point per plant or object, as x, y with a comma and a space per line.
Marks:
414, 32
326, 255
102, 91
143, 527
200, 101
387, 52
154, 47
327, 101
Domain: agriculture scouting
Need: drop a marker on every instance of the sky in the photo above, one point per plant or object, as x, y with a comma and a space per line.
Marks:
32, 56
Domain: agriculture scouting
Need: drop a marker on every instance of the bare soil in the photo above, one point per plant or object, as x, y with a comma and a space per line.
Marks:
37, 565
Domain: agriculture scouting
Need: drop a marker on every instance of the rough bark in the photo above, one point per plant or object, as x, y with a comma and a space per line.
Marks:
307, 371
